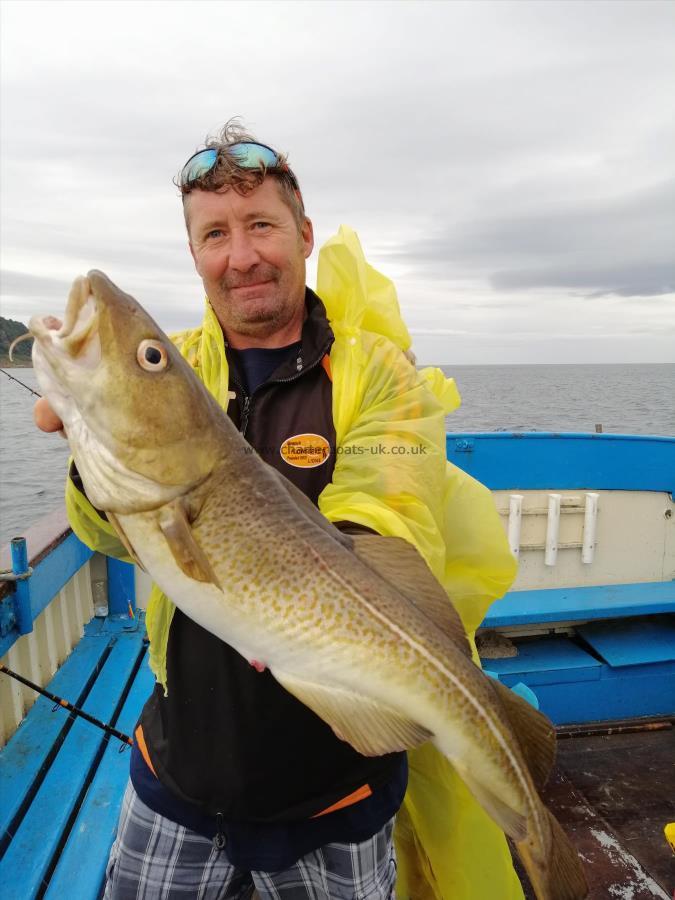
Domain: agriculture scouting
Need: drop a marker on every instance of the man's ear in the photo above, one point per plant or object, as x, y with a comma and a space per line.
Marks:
307, 234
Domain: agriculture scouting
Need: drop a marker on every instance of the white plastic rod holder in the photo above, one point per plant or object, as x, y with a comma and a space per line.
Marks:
515, 518
590, 528
552, 529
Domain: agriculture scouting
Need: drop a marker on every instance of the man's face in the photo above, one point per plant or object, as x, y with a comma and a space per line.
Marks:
250, 256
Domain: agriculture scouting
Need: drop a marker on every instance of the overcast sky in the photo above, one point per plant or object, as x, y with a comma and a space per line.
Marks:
511, 166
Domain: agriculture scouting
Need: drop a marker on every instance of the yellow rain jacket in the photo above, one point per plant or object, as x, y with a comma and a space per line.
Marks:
448, 847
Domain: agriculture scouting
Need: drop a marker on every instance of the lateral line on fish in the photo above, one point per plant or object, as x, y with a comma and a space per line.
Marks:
437, 663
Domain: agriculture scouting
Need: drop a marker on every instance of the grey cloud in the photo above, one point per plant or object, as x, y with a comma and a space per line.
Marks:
100, 249
621, 245
174, 304
24, 284
435, 331
653, 279
625, 219
471, 142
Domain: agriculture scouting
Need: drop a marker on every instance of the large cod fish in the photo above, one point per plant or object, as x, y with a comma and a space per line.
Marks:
356, 628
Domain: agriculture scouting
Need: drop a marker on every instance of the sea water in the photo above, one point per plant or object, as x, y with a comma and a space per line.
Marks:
623, 399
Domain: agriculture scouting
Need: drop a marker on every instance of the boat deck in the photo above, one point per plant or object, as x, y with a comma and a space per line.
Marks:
613, 794
63, 780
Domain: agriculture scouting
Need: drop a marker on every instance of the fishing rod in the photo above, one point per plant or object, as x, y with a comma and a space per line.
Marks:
59, 701
20, 382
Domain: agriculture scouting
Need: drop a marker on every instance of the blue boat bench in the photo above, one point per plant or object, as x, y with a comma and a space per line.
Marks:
62, 778
619, 661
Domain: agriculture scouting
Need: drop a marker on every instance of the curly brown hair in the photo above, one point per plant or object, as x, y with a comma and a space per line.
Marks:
227, 172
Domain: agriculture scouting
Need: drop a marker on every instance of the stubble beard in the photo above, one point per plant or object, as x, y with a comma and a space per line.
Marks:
249, 317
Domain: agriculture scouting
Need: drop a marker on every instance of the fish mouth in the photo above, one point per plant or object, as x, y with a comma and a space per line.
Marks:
72, 338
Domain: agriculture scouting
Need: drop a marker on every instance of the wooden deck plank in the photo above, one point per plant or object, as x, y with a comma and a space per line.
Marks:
611, 871
24, 758
628, 781
94, 829
38, 837
613, 795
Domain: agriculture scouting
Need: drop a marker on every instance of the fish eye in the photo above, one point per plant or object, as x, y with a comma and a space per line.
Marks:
152, 356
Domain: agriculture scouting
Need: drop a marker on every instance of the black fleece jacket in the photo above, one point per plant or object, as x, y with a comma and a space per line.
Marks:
228, 738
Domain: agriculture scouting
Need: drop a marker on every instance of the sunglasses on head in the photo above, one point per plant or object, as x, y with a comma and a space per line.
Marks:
247, 154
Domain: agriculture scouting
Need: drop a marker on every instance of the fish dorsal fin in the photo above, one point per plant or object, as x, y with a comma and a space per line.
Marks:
310, 511
535, 733
398, 562
371, 728
190, 557
114, 521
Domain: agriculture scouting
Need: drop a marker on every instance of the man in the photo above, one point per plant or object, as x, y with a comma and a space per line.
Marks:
232, 779
234, 783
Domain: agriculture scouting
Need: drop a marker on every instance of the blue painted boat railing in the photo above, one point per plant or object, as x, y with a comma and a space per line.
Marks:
50, 573
535, 460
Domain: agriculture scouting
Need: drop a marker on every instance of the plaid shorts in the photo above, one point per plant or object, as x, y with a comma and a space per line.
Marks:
153, 858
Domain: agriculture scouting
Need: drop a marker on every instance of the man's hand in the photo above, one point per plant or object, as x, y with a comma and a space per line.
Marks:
45, 417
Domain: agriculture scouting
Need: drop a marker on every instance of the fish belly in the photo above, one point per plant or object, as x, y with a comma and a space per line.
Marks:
328, 644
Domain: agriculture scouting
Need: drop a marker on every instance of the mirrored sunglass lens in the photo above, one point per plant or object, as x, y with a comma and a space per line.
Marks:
199, 165
250, 156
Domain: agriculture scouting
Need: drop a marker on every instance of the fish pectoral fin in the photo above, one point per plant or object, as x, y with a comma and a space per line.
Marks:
371, 728
399, 563
535, 733
175, 527
509, 820
114, 521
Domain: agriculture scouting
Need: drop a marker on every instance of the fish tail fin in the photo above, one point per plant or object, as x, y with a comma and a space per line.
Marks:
560, 875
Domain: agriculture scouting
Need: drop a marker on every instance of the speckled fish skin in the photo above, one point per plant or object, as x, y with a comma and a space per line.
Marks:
274, 581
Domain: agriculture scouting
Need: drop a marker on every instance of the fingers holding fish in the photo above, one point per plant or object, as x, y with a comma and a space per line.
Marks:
45, 418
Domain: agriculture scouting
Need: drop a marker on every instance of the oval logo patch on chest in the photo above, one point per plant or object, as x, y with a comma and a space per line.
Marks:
305, 451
